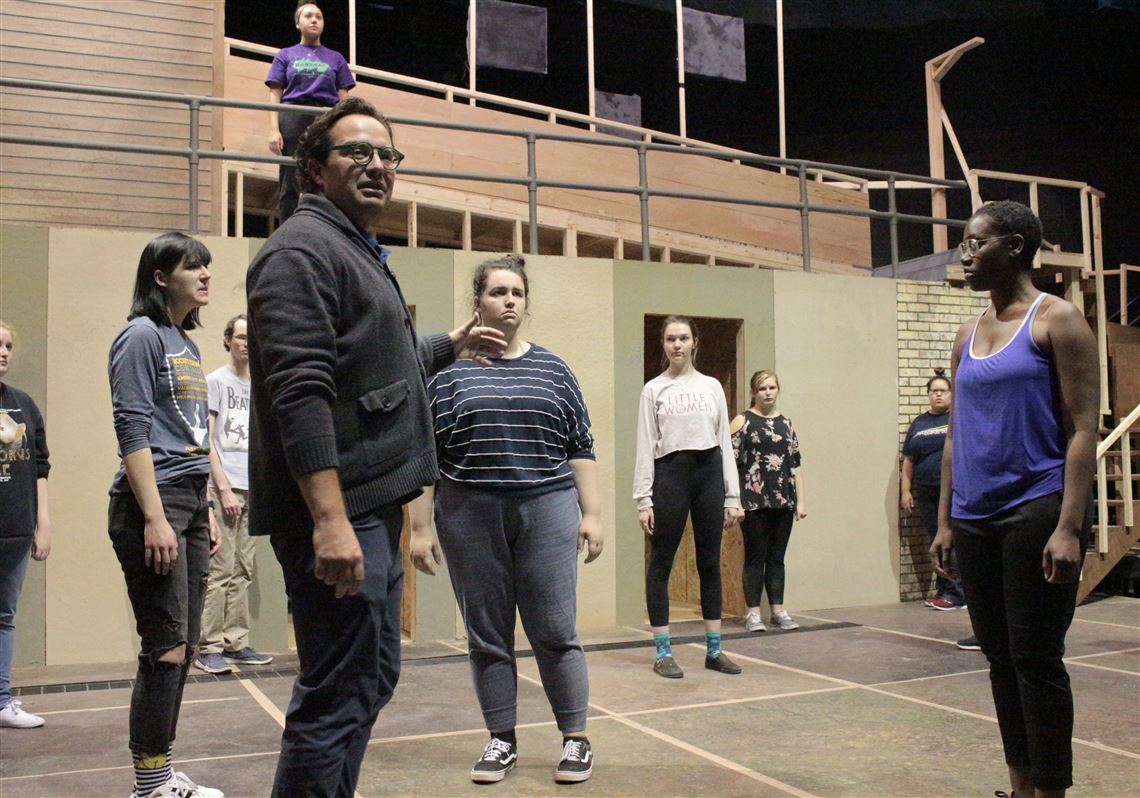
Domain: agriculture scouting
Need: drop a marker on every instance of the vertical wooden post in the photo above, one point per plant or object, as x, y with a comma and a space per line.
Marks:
465, 233
413, 234
780, 79
239, 204
472, 48
1101, 312
352, 32
570, 241
936, 69
681, 65
619, 248
590, 58
516, 236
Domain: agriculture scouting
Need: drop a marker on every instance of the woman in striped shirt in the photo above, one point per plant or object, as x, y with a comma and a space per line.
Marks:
517, 465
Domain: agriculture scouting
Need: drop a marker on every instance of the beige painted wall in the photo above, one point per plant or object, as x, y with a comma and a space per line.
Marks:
90, 279
24, 305
833, 340
836, 354
571, 314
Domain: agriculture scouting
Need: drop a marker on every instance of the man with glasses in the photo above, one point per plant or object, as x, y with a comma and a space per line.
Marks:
341, 438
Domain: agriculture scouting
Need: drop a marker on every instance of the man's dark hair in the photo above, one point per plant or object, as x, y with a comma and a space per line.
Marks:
228, 333
1012, 218
164, 254
313, 148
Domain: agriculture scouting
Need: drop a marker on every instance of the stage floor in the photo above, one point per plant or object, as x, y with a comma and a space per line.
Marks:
861, 701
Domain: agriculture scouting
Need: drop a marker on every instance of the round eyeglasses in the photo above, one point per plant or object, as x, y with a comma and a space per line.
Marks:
361, 153
970, 246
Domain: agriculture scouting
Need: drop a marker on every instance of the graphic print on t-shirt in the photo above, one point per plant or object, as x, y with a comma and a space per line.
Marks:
310, 66
13, 444
235, 430
188, 390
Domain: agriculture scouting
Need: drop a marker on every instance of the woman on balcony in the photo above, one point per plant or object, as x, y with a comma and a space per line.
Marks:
1016, 480
304, 74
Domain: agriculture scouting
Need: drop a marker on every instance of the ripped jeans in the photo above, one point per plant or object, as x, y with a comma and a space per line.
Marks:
168, 608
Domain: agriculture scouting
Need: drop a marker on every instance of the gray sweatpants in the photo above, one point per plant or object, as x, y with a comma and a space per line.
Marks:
505, 550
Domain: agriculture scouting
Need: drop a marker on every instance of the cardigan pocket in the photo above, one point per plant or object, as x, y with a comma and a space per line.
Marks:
385, 423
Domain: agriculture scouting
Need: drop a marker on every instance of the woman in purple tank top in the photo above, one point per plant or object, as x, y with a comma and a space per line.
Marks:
1016, 480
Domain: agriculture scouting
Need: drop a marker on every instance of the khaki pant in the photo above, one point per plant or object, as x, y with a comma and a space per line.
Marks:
225, 616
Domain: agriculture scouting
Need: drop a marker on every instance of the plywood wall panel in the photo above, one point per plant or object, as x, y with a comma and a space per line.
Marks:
156, 45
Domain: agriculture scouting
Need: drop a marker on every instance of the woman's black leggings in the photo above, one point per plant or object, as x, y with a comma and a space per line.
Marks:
686, 482
765, 532
1021, 621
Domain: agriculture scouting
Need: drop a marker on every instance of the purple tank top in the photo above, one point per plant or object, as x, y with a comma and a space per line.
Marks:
1009, 440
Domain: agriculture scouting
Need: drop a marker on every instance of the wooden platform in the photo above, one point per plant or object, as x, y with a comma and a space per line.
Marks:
700, 231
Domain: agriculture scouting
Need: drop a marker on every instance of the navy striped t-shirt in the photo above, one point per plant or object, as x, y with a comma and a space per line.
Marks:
513, 425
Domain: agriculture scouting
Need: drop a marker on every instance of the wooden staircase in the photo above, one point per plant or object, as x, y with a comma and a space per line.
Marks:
1115, 532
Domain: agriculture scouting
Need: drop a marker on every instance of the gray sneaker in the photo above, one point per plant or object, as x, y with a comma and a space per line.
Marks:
212, 663
753, 623
247, 656
784, 621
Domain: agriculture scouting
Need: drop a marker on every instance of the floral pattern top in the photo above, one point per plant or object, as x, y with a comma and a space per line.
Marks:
767, 452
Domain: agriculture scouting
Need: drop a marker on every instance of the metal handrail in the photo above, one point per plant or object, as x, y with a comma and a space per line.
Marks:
195, 154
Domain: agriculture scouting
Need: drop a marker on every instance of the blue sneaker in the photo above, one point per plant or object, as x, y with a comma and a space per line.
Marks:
211, 663
247, 656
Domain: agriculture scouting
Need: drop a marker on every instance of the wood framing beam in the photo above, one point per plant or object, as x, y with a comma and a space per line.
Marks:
936, 69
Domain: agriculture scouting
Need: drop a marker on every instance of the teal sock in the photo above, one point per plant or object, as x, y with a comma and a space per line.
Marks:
664, 646
712, 641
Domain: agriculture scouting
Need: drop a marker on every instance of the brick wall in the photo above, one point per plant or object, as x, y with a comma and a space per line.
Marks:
929, 315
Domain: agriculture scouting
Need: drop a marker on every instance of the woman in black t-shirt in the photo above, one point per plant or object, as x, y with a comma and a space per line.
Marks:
922, 475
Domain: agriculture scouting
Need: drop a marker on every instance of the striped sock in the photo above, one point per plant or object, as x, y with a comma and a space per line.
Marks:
152, 771
664, 646
712, 642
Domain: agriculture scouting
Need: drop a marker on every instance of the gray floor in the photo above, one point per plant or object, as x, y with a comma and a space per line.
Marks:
862, 701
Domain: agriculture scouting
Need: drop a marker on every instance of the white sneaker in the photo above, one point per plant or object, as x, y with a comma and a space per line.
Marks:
784, 621
753, 623
181, 787
12, 717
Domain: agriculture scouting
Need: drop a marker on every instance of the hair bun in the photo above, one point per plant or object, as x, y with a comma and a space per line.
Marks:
939, 372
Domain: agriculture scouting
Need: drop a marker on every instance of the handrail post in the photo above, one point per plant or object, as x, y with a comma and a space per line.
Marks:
892, 206
195, 109
804, 229
532, 190
643, 184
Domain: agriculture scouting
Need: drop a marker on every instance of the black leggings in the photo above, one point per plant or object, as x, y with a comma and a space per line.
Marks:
686, 482
765, 532
1021, 620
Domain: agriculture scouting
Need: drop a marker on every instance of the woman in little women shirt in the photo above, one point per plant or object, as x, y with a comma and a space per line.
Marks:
684, 466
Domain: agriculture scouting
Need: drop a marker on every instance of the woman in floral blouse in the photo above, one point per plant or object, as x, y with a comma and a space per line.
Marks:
772, 494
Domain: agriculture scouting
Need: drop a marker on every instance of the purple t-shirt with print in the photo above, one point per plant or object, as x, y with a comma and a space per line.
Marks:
309, 75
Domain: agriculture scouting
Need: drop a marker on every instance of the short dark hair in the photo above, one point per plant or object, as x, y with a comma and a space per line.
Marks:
515, 264
1012, 218
164, 253
316, 141
228, 332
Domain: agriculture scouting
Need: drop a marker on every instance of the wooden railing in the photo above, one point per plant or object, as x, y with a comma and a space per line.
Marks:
1126, 517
